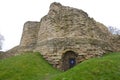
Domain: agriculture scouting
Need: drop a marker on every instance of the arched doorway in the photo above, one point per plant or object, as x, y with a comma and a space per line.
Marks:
68, 60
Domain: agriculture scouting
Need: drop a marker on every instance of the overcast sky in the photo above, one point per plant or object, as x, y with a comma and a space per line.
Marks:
14, 13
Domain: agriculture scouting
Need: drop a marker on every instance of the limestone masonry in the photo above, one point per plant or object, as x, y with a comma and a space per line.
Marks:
65, 37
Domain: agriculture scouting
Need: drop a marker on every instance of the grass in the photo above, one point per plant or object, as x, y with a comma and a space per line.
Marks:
26, 67
104, 68
34, 67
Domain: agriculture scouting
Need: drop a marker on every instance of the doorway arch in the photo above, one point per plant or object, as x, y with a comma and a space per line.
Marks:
68, 60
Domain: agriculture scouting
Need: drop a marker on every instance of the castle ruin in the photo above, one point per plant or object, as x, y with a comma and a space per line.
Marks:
66, 36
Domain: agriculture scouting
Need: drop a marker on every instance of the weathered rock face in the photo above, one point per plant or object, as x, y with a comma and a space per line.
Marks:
66, 29
116, 43
66, 36
64, 21
12, 52
30, 35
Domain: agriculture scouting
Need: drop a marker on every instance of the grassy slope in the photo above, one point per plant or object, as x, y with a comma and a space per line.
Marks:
33, 67
104, 68
26, 67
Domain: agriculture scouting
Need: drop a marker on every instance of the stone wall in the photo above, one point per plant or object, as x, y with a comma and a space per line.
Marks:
116, 43
62, 21
53, 49
30, 35
66, 29
9, 53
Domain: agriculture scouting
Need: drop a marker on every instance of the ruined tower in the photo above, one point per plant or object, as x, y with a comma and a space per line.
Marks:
66, 36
